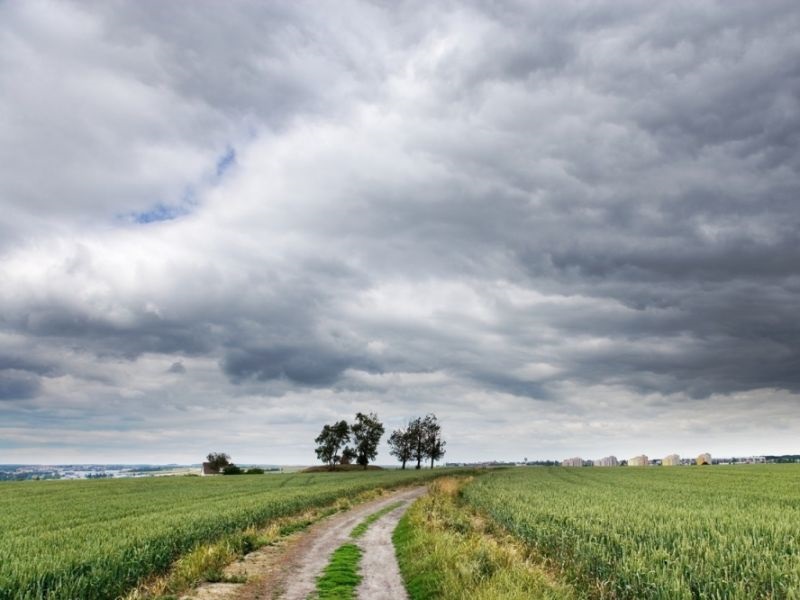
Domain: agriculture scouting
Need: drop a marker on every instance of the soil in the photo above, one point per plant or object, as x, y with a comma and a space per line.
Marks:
288, 571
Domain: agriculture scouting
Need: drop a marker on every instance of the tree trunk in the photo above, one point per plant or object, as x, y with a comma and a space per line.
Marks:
431, 462
404, 464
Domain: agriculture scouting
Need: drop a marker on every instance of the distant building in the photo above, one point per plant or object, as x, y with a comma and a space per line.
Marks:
572, 462
208, 469
608, 461
672, 460
704, 459
639, 461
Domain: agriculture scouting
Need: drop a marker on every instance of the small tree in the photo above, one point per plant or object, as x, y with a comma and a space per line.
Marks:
422, 439
218, 460
367, 433
330, 440
432, 438
401, 445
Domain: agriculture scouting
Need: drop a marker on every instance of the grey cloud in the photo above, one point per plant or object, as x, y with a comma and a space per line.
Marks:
18, 385
524, 198
177, 368
304, 366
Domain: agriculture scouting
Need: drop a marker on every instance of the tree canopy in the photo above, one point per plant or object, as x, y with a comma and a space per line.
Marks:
218, 460
420, 440
401, 445
367, 432
330, 440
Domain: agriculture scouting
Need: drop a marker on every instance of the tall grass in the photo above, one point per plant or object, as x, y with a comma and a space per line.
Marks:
447, 551
661, 533
97, 539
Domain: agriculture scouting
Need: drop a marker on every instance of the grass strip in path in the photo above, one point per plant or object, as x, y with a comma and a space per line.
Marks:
447, 551
340, 578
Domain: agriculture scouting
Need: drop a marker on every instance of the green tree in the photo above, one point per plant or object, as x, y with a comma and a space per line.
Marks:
367, 433
218, 460
401, 445
330, 440
434, 444
425, 439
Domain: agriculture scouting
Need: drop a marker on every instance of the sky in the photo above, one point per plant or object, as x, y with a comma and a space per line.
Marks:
567, 229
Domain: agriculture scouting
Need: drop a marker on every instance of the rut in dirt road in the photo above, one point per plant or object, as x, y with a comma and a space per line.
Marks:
381, 580
379, 569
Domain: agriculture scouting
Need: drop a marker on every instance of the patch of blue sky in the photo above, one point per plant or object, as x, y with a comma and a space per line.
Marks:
226, 161
162, 211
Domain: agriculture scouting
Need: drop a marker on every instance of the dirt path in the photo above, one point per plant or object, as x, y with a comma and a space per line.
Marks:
289, 571
301, 581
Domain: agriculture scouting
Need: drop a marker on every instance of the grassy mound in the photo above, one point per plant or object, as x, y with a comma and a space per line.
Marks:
327, 469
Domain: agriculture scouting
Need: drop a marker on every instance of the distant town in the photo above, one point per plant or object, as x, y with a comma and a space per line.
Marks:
638, 461
99, 471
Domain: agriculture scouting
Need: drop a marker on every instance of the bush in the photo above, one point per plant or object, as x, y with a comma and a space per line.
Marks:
232, 470
255, 471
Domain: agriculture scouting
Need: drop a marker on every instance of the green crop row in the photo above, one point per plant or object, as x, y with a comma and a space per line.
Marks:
663, 533
97, 539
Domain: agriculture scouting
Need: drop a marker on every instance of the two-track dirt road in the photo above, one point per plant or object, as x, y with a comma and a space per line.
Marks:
289, 571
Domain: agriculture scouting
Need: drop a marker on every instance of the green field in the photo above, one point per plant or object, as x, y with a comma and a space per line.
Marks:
671, 532
98, 539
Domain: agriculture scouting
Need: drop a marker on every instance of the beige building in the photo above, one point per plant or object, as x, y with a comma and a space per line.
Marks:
672, 460
704, 459
639, 461
608, 461
572, 462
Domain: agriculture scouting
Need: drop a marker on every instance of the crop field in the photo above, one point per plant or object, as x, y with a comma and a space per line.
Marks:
98, 539
670, 532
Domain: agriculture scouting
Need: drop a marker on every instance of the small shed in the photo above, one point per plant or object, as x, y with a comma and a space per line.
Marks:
208, 469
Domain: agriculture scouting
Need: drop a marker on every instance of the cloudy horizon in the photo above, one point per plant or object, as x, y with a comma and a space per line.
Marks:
566, 229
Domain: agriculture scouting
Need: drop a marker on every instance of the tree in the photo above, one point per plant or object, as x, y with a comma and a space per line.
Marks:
434, 444
330, 440
422, 439
367, 433
401, 445
432, 438
416, 434
218, 460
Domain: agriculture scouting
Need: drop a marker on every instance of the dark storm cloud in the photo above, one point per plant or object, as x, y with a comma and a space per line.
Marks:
177, 368
304, 365
18, 385
415, 200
